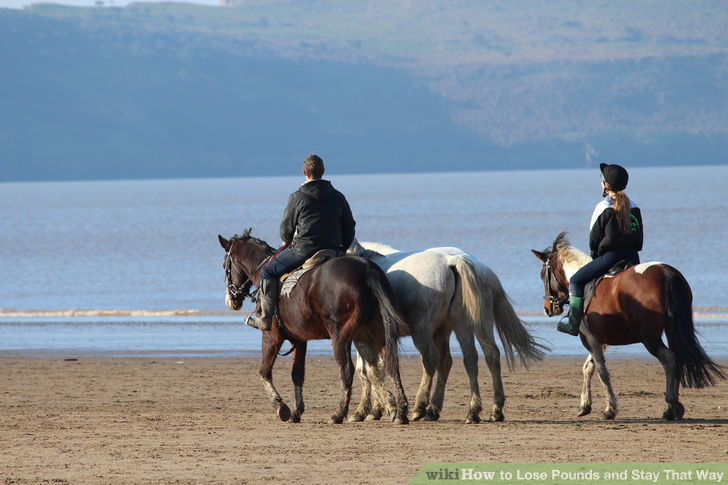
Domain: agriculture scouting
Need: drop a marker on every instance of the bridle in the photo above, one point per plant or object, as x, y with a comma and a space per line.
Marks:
555, 304
242, 291
236, 292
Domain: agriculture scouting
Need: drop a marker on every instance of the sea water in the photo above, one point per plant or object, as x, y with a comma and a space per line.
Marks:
140, 260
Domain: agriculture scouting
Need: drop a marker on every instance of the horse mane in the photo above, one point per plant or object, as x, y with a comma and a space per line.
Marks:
247, 236
379, 248
569, 256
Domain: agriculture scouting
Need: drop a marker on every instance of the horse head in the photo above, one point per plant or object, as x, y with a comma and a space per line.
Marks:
244, 257
555, 281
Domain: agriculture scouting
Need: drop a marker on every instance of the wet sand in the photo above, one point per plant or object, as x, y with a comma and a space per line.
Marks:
209, 420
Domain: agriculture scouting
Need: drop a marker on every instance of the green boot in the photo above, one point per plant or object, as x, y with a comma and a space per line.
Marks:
576, 312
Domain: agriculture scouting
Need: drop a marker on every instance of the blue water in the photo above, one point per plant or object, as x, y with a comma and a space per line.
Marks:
152, 246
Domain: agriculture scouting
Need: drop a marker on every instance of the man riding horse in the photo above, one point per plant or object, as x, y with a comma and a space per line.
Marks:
317, 217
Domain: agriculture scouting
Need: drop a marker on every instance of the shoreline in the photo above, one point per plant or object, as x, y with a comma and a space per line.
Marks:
699, 312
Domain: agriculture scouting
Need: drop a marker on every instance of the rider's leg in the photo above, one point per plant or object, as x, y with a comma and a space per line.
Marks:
283, 263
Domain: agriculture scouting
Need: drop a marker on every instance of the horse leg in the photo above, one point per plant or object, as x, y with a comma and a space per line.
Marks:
466, 338
365, 402
586, 395
597, 352
298, 372
675, 409
428, 355
492, 358
342, 355
382, 401
442, 343
270, 350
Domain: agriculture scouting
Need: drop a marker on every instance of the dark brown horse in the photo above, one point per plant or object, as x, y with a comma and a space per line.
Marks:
633, 306
346, 299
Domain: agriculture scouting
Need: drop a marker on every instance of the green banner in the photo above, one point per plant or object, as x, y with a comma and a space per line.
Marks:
571, 473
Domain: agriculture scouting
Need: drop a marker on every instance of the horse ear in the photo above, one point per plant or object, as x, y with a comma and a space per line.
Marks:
539, 255
224, 242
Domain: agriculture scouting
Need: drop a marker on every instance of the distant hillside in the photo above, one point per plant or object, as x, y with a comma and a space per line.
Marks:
180, 90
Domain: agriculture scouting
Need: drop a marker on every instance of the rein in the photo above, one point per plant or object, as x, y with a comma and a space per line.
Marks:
239, 292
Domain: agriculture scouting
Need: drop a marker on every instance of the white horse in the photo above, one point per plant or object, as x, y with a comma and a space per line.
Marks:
439, 290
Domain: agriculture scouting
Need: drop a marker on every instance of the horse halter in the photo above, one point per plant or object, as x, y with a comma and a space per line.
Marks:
242, 291
236, 292
555, 304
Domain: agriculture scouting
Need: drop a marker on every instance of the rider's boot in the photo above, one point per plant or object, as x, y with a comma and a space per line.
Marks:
576, 312
268, 299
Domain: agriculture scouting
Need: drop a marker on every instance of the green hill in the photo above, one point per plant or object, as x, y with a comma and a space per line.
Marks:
181, 90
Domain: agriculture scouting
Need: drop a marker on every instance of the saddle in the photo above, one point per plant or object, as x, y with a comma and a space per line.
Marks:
591, 287
289, 280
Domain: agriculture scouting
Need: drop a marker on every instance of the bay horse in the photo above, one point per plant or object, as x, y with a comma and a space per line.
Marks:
346, 299
441, 290
637, 305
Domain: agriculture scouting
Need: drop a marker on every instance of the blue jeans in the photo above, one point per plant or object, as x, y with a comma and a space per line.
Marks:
597, 267
283, 263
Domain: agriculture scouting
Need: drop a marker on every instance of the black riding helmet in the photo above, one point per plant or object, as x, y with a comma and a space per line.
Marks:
614, 175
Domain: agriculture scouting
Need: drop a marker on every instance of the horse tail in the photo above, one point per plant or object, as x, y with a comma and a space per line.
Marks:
379, 285
481, 293
695, 368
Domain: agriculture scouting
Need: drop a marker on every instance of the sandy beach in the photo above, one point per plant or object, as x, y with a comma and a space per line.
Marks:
208, 420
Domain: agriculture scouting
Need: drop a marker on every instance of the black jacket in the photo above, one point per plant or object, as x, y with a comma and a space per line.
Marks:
317, 217
605, 234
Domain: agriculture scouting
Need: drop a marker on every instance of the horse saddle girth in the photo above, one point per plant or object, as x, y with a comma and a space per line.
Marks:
289, 280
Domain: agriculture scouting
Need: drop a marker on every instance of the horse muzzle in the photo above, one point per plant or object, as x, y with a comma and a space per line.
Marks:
233, 303
552, 307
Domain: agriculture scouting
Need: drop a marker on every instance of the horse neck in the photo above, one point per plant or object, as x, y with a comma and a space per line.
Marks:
252, 262
380, 248
572, 260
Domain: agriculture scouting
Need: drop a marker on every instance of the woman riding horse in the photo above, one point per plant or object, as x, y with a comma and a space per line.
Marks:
317, 217
615, 234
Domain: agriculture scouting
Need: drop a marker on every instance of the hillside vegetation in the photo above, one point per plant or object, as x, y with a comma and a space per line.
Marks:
167, 90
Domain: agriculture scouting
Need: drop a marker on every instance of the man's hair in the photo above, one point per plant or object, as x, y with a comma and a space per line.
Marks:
313, 166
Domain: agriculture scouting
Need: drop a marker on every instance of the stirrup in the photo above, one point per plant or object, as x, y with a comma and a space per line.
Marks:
258, 323
564, 326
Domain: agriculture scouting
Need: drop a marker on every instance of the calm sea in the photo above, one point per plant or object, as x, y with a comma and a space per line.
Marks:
132, 267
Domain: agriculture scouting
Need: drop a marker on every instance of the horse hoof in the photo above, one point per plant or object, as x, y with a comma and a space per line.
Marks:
357, 418
673, 412
497, 417
295, 418
284, 413
472, 419
584, 411
401, 420
608, 415
336, 420
373, 417
418, 415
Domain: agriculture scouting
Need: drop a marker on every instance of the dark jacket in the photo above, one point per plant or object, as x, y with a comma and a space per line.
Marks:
605, 234
317, 217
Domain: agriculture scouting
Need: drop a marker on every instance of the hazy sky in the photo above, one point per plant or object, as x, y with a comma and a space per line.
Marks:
86, 3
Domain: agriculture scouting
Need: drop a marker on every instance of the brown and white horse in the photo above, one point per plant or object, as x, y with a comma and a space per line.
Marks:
346, 299
636, 305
